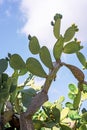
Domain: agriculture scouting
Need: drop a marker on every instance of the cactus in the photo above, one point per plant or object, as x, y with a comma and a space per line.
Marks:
3, 65
35, 67
58, 48
16, 62
72, 47
34, 45
81, 58
57, 25
70, 32
45, 57
76, 72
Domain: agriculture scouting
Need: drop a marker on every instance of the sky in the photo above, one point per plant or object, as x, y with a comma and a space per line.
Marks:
19, 18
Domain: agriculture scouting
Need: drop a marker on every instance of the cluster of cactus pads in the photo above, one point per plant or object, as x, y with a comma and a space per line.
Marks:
64, 44
9, 89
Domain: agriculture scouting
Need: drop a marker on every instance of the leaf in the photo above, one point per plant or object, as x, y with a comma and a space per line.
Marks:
12, 84
61, 99
71, 96
56, 28
4, 94
58, 48
37, 124
84, 117
84, 96
1, 105
72, 47
4, 90
34, 45
35, 67
84, 87
69, 105
81, 58
76, 101
30, 91
65, 127
3, 65
73, 89
47, 104
83, 127
3, 78
13, 96
79, 75
45, 57
56, 128
74, 115
64, 113
27, 95
47, 108
56, 114
50, 124
16, 62
26, 100
70, 32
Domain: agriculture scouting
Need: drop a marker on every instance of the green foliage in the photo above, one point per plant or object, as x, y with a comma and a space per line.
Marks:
84, 117
35, 67
3, 65
57, 24
74, 115
73, 89
81, 58
69, 105
58, 48
56, 114
77, 100
70, 32
72, 47
83, 127
27, 95
45, 57
64, 113
65, 127
4, 89
34, 46
16, 62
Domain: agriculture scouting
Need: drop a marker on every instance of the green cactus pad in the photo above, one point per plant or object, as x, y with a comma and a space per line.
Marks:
45, 57
3, 65
70, 32
81, 58
16, 62
58, 48
34, 45
72, 47
34, 66
56, 29
77, 100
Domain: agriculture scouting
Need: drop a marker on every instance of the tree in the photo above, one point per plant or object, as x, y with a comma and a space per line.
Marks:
29, 108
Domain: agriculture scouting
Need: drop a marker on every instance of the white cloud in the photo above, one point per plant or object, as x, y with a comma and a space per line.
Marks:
38, 15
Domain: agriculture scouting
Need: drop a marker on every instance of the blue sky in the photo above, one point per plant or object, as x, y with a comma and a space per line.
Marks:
18, 18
